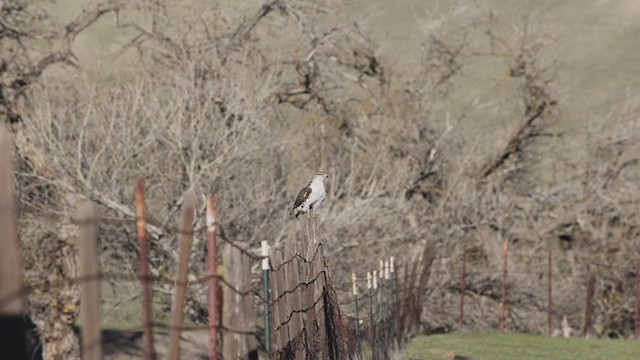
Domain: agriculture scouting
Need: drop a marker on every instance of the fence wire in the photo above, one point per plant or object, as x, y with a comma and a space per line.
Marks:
305, 317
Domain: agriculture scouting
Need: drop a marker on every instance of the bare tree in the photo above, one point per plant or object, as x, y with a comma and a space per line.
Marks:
31, 43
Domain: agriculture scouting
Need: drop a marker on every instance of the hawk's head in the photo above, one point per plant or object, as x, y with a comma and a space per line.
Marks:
320, 176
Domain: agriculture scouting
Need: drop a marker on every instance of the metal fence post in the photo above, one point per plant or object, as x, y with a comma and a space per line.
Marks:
374, 348
371, 320
588, 312
145, 279
550, 299
387, 306
265, 289
394, 301
637, 332
463, 281
354, 285
503, 302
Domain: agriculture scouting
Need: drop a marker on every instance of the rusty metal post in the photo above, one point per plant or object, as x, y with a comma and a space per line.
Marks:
212, 260
637, 332
463, 281
588, 312
550, 298
503, 301
145, 280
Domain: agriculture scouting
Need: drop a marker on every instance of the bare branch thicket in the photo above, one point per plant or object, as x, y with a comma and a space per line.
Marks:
246, 106
32, 42
586, 204
229, 119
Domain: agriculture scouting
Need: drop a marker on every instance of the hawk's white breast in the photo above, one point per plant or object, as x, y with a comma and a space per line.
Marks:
316, 198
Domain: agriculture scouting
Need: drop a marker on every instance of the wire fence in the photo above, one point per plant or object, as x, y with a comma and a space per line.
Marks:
295, 311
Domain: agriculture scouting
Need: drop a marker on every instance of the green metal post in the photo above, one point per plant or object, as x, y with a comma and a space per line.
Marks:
371, 319
357, 322
375, 349
385, 303
394, 301
265, 283
355, 296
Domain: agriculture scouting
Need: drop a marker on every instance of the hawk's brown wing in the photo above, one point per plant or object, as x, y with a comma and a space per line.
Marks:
302, 196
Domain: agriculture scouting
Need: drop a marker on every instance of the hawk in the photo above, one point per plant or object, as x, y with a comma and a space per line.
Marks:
310, 198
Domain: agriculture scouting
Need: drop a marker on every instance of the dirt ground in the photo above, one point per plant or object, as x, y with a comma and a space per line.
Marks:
128, 345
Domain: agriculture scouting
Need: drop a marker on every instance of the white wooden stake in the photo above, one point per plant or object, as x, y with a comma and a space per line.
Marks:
386, 270
375, 279
265, 254
354, 284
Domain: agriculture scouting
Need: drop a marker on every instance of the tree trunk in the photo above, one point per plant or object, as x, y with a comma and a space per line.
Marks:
54, 307
63, 303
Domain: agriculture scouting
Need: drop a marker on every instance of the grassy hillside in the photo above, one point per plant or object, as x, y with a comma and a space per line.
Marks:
518, 346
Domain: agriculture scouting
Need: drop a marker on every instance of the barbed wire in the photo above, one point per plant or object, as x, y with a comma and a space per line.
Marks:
397, 300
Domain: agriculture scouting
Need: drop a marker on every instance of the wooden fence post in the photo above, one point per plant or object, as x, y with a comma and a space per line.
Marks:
320, 287
238, 318
278, 342
186, 238
248, 311
90, 274
212, 259
12, 326
145, 280
308, 300
294, 301
282, 301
